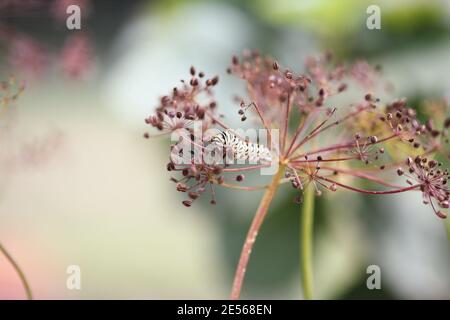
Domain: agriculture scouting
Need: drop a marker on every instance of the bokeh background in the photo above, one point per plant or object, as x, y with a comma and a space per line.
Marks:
80, 186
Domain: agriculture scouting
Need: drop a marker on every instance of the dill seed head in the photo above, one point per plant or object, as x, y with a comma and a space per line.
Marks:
363, 140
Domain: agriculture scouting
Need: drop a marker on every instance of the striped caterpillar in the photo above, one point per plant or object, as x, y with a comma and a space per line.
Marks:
242, 150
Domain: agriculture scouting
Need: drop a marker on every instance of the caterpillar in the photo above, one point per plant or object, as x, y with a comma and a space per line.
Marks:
242, 150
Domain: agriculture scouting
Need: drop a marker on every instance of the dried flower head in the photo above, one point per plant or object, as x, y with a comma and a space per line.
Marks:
319, 145
432, 181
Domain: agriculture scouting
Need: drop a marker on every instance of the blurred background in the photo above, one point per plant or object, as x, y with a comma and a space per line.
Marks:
80, 186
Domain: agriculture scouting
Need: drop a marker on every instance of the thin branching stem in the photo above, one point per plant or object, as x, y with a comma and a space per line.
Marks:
340, 147
264, 122
286, 123
362, 175
399, 190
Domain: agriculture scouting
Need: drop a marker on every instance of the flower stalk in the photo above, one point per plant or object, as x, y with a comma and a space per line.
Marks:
253, 233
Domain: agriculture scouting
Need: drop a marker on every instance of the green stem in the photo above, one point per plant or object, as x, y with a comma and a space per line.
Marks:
306, 238
19, 272
447, 228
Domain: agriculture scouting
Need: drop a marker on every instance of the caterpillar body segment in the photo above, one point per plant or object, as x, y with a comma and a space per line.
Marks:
243, 150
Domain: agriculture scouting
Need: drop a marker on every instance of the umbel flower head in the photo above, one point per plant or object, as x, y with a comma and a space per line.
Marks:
312, 142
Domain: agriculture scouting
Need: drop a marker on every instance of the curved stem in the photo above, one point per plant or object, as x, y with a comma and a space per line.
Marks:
19, 272
253, 232
286, 123
264, 123
306, 238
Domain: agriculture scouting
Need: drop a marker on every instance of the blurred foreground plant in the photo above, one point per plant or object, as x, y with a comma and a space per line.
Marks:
320, 146
9, 92
17, 153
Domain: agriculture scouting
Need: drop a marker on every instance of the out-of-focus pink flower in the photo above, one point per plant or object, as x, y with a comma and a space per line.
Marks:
20, 6
27, 56
76, 56
364, 73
